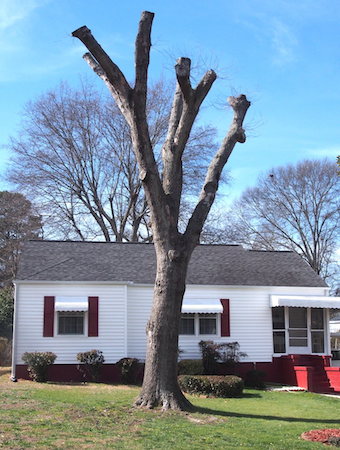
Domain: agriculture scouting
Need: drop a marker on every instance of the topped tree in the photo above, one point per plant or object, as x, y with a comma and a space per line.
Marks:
163, 194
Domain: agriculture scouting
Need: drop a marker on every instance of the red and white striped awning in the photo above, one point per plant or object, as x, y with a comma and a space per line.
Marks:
305, 301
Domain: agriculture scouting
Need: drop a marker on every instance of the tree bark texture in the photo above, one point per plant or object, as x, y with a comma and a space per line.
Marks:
163, 194
160, 386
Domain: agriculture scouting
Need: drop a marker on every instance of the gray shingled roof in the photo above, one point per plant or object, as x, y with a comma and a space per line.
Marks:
210, 264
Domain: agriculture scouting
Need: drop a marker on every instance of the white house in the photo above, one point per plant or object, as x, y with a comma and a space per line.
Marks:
76, 296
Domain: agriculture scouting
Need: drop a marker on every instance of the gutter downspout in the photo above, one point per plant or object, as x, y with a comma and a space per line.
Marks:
14, 343
126, 320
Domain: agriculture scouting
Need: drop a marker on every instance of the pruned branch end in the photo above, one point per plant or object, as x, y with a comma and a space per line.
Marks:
239, 104
182, 69
81, 32
142, 51
93, 64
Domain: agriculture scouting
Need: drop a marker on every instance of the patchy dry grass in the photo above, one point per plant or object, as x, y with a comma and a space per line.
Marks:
98, 416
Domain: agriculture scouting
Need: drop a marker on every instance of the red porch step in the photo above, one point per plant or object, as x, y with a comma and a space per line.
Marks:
312, 372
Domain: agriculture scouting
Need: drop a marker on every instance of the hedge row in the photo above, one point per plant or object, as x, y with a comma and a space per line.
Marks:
212, 385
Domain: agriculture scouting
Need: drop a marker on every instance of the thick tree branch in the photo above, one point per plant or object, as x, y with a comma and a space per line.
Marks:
190, 111
183, 117
236, 133
175, 116
182, 69
132, 104
204, 87
142, 53
112, 71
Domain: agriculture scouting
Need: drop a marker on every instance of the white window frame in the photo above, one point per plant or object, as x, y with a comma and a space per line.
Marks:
197, 317
62, 336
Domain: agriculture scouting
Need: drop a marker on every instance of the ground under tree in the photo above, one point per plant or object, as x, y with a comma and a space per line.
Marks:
163, 193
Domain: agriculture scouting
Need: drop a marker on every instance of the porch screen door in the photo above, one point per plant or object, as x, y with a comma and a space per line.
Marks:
317, 330
298, 330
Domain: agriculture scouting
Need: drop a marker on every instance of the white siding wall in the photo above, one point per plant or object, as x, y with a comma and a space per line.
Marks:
250, 319
138, 312
112, 322
123, 314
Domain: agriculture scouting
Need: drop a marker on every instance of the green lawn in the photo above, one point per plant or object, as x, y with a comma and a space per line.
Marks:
52, 416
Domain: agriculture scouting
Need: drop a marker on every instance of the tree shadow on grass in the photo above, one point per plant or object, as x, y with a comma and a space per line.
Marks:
216, 412
66, 383
249, 395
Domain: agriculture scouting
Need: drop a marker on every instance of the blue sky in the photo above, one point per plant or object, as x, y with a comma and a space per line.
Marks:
284, 55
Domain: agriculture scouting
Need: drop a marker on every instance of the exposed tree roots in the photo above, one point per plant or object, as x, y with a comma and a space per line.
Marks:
166, 401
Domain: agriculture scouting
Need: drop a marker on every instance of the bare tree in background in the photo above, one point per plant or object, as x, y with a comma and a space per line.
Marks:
163, 194
292, 208
74, 157
18, 222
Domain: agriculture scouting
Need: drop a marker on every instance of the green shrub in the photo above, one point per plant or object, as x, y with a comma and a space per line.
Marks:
5, 351
230, 354
190, 367
38, 364
227, 353
129, 370
212, 385
90, 364
210, 357
255, 379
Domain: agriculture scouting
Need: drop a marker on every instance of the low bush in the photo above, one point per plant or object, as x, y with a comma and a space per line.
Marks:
255, 379
38, 364
190, 367
5, 351
212, 385
129, 370
227, 353
210, 357
90, 364
230, 354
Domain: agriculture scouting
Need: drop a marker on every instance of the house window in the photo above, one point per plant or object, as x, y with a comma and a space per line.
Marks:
279, 338
297, 318
207, 324
198, 324
317, 319
187, 324
279, 333
71, 322
318, 345
278, 315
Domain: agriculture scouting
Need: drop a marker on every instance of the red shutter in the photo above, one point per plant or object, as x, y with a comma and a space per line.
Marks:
225, 318
93, 316
48, 330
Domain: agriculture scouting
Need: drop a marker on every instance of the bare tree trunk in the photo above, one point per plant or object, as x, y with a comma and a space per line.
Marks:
160, 386
163, 195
